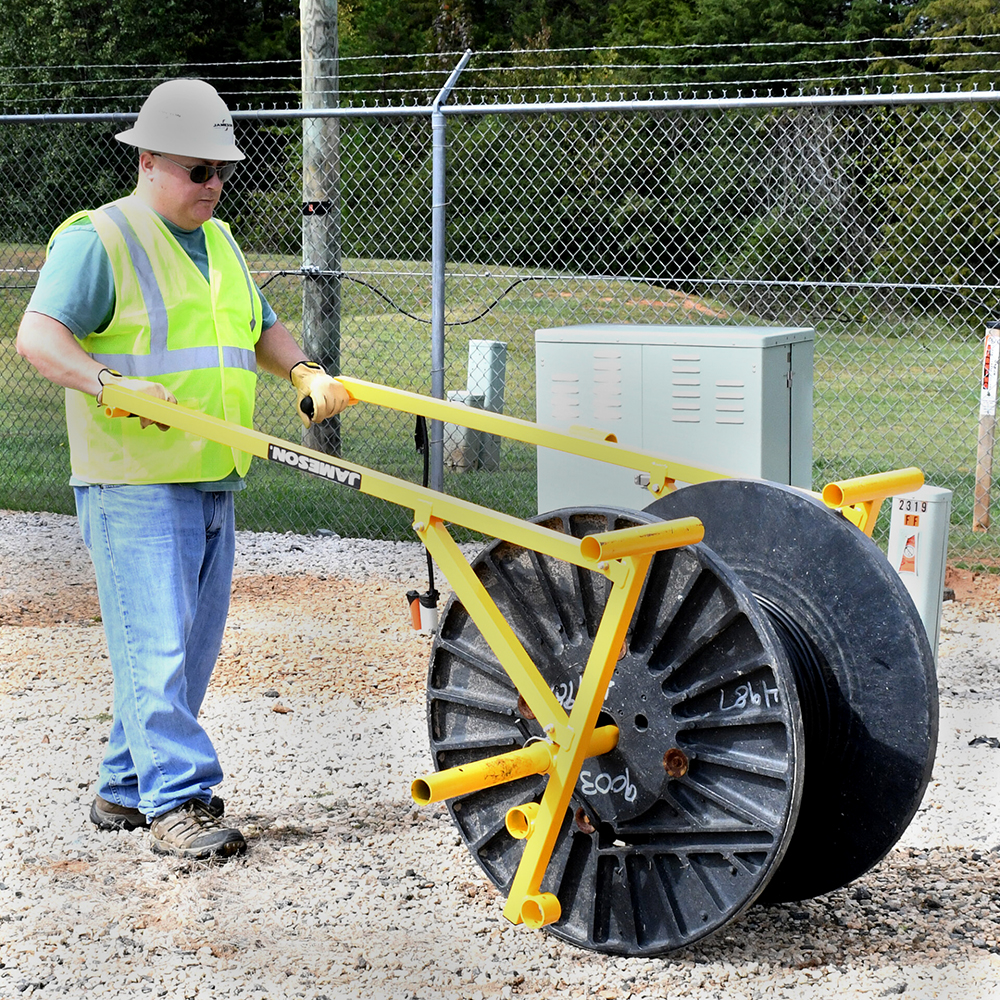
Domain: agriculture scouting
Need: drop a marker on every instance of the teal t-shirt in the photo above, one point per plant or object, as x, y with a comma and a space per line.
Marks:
76, 286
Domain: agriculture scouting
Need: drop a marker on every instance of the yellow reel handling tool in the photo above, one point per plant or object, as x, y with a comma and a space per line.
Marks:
755, 695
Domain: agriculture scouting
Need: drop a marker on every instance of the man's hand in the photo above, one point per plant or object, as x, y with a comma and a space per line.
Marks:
328, 396
109, 377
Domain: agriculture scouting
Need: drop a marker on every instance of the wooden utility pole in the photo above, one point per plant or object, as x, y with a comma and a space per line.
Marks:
321, 203
987, 429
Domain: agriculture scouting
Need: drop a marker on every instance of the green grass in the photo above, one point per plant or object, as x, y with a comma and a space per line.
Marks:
881, 400
898, 403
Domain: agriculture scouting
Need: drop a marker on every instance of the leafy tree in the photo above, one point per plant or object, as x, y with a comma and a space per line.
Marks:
938, 18
750, 22
385, 27
648, 22
945, 205
504, 24
65, 35
967, 59
813, 30
79, 55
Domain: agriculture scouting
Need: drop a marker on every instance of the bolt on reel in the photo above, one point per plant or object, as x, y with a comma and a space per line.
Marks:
775, 703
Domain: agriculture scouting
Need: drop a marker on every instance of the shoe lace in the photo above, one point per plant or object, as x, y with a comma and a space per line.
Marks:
192, 820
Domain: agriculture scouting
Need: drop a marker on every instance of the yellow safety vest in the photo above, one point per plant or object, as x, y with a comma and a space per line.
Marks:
171, 326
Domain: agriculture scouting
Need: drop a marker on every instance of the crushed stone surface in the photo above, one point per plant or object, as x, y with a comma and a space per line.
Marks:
348, 890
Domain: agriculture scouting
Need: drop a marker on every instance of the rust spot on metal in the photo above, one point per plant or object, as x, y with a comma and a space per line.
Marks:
623, 652
583, 823
676, 763
523, 709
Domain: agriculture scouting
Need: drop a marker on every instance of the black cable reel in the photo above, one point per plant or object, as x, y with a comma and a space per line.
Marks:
776, 703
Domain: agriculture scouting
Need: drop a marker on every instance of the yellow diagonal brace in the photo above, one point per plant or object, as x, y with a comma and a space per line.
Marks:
496, 631
525, 901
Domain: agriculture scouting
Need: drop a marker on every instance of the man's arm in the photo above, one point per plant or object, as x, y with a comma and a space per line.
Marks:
277, 350
51, 347
53, 350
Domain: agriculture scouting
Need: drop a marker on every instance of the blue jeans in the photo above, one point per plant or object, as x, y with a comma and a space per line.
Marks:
163, 557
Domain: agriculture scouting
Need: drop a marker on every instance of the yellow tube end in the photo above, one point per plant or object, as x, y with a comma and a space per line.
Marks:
520, 820
420, 792
540, 909
590, 548
833, 495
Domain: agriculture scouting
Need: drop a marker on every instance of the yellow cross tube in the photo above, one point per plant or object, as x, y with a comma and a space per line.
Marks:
588, 442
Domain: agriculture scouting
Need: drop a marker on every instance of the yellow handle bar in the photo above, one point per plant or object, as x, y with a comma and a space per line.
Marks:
863, 489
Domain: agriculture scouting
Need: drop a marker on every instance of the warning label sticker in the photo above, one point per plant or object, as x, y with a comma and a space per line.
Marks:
908, 560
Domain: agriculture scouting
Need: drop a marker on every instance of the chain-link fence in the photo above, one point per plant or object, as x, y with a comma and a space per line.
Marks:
874, 221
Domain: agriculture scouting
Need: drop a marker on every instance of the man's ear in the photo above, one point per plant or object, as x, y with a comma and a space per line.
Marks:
146, 163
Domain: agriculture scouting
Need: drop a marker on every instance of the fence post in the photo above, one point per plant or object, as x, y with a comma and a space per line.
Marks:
321, 203
987, 429
439, 256
487, 376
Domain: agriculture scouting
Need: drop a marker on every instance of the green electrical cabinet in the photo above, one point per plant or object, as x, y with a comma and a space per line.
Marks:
731, 398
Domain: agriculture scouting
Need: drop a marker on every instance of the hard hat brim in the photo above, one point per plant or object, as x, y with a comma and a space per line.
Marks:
181, 146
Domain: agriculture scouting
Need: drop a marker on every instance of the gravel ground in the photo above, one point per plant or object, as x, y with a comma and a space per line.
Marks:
347, 889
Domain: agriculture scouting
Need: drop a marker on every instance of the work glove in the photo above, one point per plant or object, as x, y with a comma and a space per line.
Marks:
325, 396
110, 377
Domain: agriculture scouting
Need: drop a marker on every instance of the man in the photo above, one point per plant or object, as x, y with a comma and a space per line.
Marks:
152, 293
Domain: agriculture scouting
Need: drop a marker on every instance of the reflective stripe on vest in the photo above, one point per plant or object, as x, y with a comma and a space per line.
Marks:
171, 326
161, 360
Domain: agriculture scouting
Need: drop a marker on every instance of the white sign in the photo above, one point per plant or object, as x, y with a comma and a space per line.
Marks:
988, 389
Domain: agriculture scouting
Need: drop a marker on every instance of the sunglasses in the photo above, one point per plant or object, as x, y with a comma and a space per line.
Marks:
200, 173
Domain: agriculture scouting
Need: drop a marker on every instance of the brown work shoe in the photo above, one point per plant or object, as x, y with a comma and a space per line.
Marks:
191, 831
107, 815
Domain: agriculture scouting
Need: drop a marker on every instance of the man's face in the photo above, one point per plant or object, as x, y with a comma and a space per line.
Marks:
165, 185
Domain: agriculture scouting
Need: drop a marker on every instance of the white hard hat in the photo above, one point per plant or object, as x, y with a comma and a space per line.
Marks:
187, 118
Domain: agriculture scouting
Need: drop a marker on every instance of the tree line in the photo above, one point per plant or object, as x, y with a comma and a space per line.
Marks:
696, 40
833, 198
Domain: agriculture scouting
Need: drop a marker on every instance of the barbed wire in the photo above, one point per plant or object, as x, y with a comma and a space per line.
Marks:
758, 45
408, 76
486, 70
562, 67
